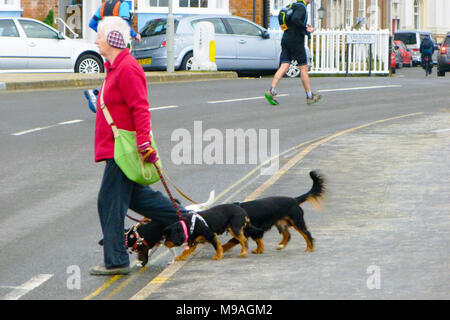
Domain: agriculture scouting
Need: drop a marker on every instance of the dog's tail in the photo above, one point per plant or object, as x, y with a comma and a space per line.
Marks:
317, 192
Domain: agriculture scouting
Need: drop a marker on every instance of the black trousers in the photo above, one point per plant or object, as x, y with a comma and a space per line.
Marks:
118, 194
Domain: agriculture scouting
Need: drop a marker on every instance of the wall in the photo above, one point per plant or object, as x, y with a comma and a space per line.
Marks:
38, 9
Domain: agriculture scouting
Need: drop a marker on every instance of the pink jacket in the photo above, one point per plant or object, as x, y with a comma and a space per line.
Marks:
125, 97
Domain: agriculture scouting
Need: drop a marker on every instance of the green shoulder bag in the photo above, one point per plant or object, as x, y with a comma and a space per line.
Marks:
126, 154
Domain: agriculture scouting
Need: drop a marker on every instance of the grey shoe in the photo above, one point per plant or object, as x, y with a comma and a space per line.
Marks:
315, 98
102, 271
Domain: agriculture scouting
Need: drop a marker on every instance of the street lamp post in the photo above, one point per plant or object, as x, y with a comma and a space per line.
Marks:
321, 13
170, 38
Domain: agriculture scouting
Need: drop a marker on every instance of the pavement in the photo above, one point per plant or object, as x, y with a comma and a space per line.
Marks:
25, 81
385, 216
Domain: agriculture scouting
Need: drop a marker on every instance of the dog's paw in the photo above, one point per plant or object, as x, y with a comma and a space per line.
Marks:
243, 255
170, 262
309, 250
280, 247
217, 258
256, 251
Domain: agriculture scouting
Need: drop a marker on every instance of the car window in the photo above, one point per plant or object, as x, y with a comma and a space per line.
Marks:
407, 38
36, 30
8, 29
244, 28
156, 27
219, 27
447, 42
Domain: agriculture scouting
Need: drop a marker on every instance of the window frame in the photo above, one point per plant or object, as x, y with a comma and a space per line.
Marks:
15, 26
143, 6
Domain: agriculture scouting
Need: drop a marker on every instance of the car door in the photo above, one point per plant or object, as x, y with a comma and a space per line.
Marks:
13, 47
254, 52
226, 49
45, 50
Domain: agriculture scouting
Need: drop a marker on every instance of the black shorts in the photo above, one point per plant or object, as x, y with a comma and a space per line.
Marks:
295, 52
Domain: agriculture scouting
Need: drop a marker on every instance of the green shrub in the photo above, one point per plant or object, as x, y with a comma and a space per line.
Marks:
50, 19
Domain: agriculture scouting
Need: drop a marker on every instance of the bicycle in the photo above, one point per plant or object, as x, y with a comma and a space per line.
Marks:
427, 65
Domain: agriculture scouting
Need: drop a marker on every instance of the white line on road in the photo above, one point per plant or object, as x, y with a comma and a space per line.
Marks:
47, 127
27, 287
361, 88
243, 99
164, 107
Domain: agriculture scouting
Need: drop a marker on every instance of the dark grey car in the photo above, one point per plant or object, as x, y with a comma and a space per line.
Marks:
241, 45
444, 57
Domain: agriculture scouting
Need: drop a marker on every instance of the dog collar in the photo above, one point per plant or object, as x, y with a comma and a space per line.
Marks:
139, 239
183, 224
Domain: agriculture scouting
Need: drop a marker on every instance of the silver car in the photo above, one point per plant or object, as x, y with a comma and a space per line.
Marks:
29, 45
241, 45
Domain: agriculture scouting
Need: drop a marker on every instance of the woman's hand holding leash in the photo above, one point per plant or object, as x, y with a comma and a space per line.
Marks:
148, 153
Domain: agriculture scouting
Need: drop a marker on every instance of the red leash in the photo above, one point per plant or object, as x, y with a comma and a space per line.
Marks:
174, 203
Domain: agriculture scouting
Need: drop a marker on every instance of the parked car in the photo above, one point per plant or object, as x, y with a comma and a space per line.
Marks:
444, 57
241, 45
393, 62
405, 53
30, 45
412, 40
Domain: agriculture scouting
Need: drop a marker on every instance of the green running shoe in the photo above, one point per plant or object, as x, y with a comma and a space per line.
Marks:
270, 96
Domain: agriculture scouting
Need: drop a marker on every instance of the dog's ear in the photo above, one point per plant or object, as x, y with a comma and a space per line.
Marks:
175, 234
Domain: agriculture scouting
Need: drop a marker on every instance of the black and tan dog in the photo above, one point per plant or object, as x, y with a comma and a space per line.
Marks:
283, 212
205, 226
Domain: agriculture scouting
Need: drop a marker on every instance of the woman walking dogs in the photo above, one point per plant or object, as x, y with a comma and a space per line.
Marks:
293, 21
124, 94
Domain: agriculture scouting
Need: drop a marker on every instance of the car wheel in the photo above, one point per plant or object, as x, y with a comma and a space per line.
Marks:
441, 73
186, 65
294, 70
89, 63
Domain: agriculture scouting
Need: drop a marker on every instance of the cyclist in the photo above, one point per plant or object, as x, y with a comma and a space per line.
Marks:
426, 51
117, 8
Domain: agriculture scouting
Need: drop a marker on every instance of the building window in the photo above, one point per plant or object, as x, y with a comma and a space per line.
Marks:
280, 4
193, 3
349, 13
158, 3
184, 6
9, 4
361, 8
416, 14
374, 14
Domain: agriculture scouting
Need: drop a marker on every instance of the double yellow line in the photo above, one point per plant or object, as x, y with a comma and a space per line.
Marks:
311, 145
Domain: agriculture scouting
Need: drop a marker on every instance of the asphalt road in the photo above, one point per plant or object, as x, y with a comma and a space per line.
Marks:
49, 181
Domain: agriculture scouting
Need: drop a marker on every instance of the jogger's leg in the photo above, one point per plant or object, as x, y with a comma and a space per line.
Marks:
284, 67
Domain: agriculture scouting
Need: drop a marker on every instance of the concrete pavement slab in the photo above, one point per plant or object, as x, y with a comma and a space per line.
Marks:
384, 233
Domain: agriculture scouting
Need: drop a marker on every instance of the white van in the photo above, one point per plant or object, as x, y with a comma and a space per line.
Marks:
412, 39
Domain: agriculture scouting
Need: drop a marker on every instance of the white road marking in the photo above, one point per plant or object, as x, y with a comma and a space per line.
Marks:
28, 286
360, 88
440, 130
244, 99
164, 107
47, 127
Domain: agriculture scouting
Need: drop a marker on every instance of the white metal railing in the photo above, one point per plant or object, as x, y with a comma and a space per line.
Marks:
64, 26
331, 54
